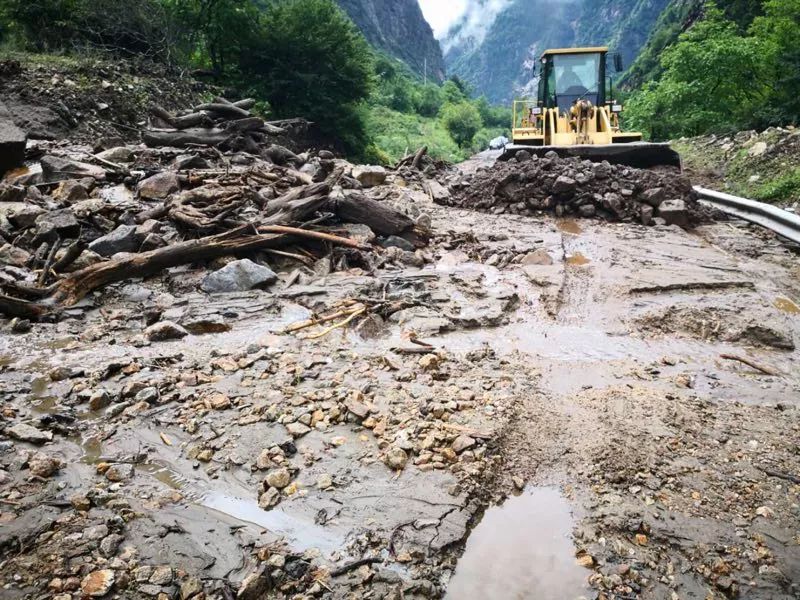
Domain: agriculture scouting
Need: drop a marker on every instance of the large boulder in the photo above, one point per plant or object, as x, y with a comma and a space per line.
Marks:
238, 276
124, 238
12, 145
159, 186
369, 175
674, 213
55, 168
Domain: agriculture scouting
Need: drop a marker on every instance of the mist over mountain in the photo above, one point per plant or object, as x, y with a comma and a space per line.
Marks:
496, 42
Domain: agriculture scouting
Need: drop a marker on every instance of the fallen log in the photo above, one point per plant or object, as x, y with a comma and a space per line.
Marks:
75, 287
185, 137
380, 217
418, 157
230, 111
14, 307
295, 210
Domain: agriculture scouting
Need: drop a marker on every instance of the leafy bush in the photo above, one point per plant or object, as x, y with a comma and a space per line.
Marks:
462, 120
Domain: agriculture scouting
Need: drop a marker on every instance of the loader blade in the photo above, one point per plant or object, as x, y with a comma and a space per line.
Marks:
640, 155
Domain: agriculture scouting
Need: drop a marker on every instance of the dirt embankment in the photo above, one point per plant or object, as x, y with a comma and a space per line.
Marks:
763, 165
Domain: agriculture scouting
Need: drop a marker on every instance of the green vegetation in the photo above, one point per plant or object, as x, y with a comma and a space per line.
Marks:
717, 78
299, 57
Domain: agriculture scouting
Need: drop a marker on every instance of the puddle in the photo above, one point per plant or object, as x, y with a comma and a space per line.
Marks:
569, 226
300, 533
522, 549
578, 259
787, 306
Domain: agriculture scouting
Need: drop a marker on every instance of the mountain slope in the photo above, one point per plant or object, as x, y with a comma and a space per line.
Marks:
496, 60
398, 28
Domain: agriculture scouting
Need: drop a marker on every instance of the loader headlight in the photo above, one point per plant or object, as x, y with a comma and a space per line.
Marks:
617, 108
536, 111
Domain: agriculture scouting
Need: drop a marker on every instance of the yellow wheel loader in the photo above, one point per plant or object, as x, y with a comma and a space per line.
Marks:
575, 114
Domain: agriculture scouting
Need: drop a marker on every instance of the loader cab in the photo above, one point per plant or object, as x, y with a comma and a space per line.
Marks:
570, 75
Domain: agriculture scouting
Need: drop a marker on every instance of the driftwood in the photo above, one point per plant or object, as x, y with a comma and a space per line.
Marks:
71, 254
230, 111
181, 138
750, 363
381, 218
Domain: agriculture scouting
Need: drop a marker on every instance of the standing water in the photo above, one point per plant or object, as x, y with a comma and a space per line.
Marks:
521, 550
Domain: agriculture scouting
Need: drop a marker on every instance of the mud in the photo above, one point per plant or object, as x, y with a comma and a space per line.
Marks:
577, 360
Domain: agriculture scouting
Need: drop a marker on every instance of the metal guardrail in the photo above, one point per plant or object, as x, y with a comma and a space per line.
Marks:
780, 221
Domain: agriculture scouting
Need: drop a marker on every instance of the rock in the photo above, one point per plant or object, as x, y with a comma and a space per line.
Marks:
269, 499
587, 210
161, 575
297, 429
324, 481
646, 215
757, 149
674, 213
165, 330
120, 154
519, 483
358, 232
654, 197
56, 223
12, 145
56, 169
191, 161
523, 156
205, 324
110, 544
279, 478
602, 170
26, 216
80, 502
394, 241
219, 401
20, 325
71, 191
396, 458
326, 155
463, 442
564, 186
42, 465
124, 238
359, 409
98, 583
282, 156
119, 472
12, 255
28, 433
439, 193
190, 588
254, 586
99, 400
238, 276
159, 186
369, 175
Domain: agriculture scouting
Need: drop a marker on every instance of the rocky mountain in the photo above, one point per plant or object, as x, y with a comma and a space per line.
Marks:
495, 54
398, 28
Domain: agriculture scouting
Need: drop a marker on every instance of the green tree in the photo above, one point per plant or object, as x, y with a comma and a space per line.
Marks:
429, 100
713, 80
463, 121
312, 61
779, 32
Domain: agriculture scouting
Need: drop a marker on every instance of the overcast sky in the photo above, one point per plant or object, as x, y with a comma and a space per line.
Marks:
441, 14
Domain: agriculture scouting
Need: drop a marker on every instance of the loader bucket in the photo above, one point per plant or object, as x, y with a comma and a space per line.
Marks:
640, 155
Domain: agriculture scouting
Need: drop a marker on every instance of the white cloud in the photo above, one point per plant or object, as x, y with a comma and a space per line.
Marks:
443, 14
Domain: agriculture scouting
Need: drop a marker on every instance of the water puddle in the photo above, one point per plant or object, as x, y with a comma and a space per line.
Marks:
787, 306
577, 259
522, 550
569, 226
300, 533
39, 386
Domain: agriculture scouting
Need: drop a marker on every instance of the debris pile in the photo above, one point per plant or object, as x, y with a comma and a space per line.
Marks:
221, 123
131, 211
569, 186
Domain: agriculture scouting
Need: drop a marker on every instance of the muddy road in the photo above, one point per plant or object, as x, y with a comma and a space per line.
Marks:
550, 417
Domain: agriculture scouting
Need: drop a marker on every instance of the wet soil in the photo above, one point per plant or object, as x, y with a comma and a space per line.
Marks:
649, 466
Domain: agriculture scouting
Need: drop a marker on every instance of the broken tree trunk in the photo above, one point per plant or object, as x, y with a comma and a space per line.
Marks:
230, 111
79, 284
178, 139
381, 218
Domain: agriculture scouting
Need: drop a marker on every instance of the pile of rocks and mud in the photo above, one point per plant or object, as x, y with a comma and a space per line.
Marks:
80, 218
528, 185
